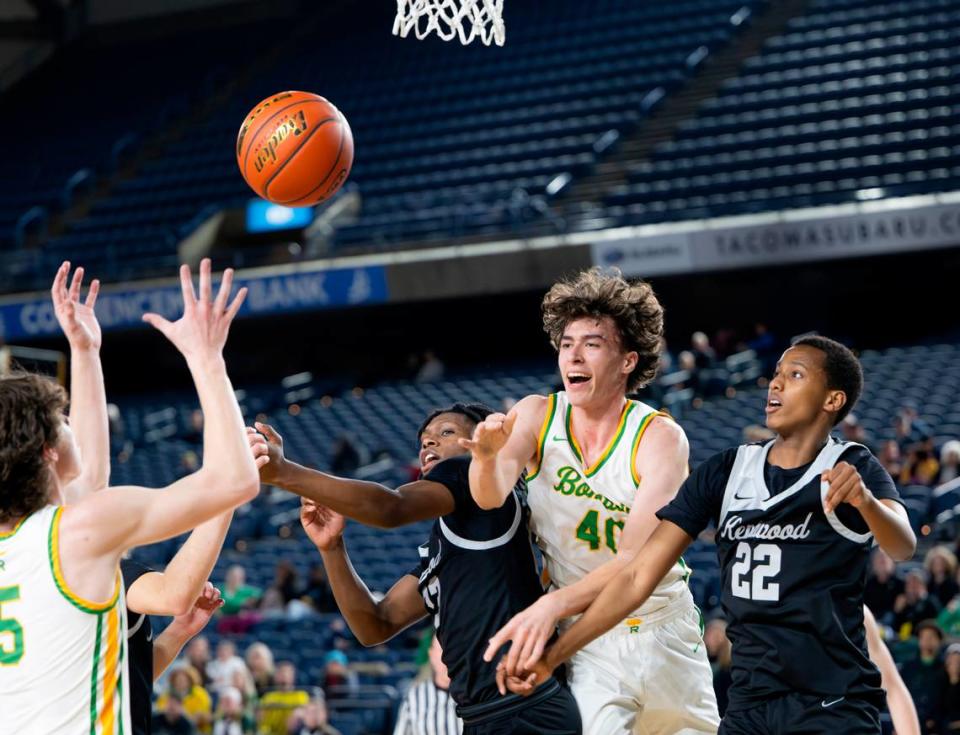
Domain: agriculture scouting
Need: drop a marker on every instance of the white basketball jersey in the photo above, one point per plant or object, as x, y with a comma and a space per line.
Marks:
578, 512
63, 663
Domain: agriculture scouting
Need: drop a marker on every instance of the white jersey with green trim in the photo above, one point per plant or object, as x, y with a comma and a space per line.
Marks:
578, 512
63, 662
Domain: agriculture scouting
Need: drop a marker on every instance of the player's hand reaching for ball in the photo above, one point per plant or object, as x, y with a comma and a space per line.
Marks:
491, 435
323, 526
845, 486
266, 445
201, 332
76, 317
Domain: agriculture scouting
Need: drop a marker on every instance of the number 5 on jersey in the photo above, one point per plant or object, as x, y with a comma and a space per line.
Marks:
11, 632
589, 531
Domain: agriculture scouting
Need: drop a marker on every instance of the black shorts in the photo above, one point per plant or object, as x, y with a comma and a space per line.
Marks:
551, 710
804, 714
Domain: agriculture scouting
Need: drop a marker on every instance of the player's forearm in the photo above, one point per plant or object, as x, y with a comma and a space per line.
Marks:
624, 593
167, 646
369, 503
490, 481
576, 598
357, 605
225, 446
890, 529
88, 417
190, 568
902, 710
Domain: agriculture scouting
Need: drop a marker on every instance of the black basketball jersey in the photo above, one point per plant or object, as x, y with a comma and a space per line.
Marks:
140, 646
792, 575
476, 572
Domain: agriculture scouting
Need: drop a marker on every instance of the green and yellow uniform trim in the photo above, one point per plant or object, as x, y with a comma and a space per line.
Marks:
544, 430
635, 448
575, 446
76, 600
8, 534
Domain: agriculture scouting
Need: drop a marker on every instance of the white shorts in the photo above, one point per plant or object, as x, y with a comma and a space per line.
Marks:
647, 677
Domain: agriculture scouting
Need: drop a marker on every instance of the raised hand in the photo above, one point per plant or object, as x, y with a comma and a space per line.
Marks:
323, 526
203, 609
491, 435
266, 445
202, 330
76, 318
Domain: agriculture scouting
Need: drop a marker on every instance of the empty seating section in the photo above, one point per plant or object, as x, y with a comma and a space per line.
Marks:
445, 134
855, 95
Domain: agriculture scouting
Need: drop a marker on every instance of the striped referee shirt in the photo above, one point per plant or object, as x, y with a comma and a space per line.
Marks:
428, 710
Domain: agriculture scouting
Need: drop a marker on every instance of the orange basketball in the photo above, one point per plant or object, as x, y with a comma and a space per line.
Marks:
295, 149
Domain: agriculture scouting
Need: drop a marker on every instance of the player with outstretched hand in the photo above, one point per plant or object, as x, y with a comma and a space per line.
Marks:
598, 466
796, 518
476, 571
60, 587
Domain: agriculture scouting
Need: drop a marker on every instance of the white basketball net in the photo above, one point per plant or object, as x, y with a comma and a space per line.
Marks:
468, 19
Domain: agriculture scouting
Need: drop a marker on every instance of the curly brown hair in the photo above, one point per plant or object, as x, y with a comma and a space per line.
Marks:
632, 305
31, 412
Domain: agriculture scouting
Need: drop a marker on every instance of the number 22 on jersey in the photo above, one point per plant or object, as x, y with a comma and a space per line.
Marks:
752, 574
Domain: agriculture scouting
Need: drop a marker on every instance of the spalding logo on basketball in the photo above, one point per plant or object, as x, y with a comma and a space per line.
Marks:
295, 149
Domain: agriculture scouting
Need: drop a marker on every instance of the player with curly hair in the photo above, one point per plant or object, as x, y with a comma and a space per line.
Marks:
598, 466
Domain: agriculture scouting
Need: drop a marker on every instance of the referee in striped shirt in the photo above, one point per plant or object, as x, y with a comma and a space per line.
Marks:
428, 708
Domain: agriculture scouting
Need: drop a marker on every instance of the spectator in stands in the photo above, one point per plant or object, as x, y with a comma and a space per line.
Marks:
198, 656
949, 462
951, 694
231, 719
285, 581
312, 719
427, 708
172, 720
237, 594
243, 682
764, 343
184, 685
949, 617
703, 354
431, 369
909, 427
276, 706
891, 458
915, 604
883, 587
338, 681
852, 431
941, 566
260, 663
666, 361
687, 361
921, 467
194, 430
222, 667
345, 456
925, 676
319, 592
719, 651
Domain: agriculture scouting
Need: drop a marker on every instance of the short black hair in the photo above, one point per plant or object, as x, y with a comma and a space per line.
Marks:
476, 412
929, 624
844, 372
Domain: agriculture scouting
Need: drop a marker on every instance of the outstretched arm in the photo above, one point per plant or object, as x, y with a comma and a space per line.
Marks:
169, 643
623, 594
175, 590
368, 502
88, 400
662, 461
372, 622
95, 531
502, 446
